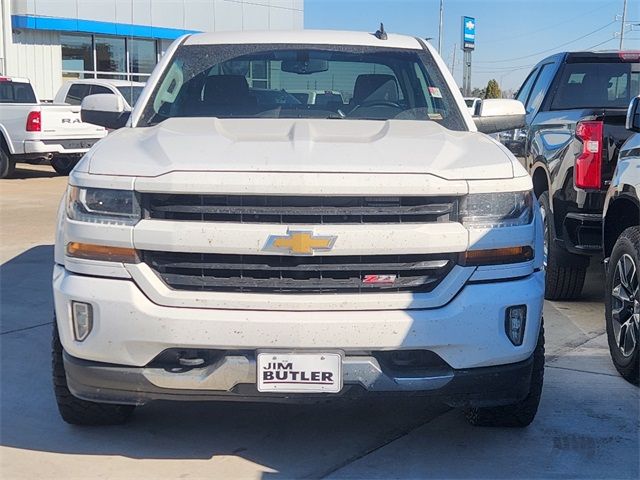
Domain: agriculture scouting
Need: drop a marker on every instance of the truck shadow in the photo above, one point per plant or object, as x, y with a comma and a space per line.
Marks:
24, 172
294, 440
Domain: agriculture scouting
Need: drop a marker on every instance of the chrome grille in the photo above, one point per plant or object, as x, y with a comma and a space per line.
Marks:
274, 209
292, 274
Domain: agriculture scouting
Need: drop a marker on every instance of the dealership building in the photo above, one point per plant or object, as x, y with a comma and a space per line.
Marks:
49, 41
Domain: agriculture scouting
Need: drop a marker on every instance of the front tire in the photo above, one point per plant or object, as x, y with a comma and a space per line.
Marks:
7, 164
74, 410
522, 413
622, 305
63, 165
565, 272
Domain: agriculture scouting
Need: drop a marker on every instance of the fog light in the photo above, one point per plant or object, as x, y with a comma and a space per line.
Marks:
515, 322
82, 314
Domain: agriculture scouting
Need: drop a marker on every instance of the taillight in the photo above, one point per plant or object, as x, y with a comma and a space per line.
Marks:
588, 171
629, 56
34, 122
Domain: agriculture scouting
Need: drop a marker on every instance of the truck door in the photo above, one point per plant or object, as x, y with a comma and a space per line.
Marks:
532, 106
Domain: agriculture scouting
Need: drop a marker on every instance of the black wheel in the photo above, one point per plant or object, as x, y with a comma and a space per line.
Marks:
74, 410
622, 304
565, 272
7, 164
63, 165
520, 414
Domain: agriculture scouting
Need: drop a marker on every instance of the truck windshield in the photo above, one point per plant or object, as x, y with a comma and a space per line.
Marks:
597, 85
309, 81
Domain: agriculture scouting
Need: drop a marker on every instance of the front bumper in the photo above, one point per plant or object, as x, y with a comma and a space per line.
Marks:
234, 378
131, 330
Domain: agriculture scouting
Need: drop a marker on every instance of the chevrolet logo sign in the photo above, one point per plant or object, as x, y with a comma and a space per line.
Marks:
299, 243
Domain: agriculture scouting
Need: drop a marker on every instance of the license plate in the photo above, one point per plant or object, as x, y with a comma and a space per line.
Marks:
299, 372
76, 144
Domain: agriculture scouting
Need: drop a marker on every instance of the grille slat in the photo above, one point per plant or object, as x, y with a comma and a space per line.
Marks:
289, 274
381, 267
276, 209
288, 283
435, 209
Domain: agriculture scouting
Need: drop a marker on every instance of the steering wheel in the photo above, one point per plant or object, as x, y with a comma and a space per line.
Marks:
377, 103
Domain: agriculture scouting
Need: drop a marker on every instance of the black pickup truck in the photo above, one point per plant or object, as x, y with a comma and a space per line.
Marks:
576, 104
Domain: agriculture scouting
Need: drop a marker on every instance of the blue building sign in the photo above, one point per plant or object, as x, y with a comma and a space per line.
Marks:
468, 33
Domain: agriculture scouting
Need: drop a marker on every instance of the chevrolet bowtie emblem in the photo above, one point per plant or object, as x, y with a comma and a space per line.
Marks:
299, 243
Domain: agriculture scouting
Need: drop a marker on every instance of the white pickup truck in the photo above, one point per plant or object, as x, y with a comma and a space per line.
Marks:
218, 248
33, 132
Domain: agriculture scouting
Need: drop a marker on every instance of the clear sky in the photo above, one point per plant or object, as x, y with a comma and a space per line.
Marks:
511, 35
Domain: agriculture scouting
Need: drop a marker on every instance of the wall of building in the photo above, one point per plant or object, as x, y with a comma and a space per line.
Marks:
5, 32
30, 29
36, 55
200, 15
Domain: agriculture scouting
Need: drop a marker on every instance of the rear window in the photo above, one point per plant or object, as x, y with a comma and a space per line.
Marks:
597, 85
16, 92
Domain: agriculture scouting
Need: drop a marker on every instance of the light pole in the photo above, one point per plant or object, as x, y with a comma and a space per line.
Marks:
624, 17
440, 27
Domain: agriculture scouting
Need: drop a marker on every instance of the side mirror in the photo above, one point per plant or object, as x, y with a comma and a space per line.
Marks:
104, 109
499, 114
633, 116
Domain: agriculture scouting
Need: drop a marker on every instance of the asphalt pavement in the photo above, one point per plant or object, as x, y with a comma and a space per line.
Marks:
587, 425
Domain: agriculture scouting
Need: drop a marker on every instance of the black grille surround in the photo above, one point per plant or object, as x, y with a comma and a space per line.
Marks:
299, 274
315, 210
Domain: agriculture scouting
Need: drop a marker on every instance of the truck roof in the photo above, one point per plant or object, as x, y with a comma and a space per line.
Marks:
322, 37
107, 81
604, 55
14, 79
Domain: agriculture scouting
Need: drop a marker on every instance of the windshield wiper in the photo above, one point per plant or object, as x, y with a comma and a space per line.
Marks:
339, 115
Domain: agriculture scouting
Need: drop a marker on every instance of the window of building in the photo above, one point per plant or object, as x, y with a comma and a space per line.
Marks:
142, 57
110, 57
77, 54
110, 54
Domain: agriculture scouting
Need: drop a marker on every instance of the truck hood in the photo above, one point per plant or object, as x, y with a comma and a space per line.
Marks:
300, 145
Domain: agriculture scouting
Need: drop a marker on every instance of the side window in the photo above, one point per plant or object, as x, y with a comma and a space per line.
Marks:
525, 89
540, 88
76, 93
95, 89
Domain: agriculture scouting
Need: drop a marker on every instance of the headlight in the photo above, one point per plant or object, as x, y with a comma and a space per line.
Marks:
103, 205
495, 210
